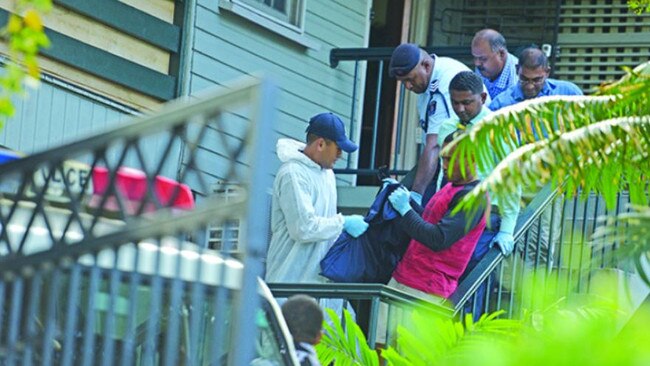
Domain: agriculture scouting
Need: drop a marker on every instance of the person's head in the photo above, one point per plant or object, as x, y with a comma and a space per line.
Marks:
412, 66
455, 173
467, 95
326, 140
304, 318
533, 71
490, 53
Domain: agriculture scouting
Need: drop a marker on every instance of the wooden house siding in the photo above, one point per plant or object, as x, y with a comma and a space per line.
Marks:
227, 46
51, 116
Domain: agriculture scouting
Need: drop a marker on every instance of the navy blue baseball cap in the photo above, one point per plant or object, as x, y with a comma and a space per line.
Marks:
405, 57
330, 126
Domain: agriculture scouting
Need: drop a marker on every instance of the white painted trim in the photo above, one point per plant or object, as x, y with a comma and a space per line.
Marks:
284, 29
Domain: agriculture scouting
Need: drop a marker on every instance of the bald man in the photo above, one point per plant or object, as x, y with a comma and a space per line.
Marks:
496, 67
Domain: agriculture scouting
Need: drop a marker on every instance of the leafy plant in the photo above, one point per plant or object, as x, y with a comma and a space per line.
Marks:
573, 142
583, 331
345, 347
25, 36
587, 137
639, 6
439, 341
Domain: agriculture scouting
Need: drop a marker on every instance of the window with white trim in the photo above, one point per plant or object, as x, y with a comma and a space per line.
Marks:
227, 234
283, 17
287, 14
287, 11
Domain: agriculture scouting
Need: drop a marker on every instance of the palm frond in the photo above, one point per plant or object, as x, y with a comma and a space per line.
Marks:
344, 346
549, 118
433, 340
617, 148
526, 122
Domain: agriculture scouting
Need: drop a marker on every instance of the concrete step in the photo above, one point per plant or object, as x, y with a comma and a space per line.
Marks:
356, 200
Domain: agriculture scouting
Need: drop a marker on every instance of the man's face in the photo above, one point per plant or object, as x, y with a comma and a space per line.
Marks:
455, 171
330, 152
466, 104
417, 80
532, 80
488, 62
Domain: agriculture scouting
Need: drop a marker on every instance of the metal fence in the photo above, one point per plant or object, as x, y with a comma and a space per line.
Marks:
104, 256
554, 260
553, 263
377, 309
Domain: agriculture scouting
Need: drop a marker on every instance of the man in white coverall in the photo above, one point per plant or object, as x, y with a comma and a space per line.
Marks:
304, 221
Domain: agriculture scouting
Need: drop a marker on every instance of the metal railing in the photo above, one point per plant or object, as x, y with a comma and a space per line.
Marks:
520, 283
121, 274
366, 301
553, 258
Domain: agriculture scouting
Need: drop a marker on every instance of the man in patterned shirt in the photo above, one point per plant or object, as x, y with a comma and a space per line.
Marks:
496, 67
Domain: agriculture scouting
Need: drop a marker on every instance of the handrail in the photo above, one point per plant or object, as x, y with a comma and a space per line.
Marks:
357, 291
384, 53
494, 257
373, 293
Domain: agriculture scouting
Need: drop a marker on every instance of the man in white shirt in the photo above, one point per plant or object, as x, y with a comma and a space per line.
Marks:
428, 76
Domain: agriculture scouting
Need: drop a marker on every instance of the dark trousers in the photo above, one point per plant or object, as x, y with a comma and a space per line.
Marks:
476, 305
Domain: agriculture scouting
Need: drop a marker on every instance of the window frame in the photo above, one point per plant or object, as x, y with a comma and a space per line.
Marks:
277, 16
274, 23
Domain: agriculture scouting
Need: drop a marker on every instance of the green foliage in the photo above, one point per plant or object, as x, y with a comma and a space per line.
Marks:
25, 36
639, 6
345, 347
589, 137
431, 340
560, 334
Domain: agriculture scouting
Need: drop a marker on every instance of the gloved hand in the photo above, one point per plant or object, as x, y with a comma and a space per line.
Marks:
415, 196
399, 199
505, 242
354, 225
387, 181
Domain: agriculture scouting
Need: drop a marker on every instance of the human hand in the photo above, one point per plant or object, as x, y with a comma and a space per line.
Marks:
505, 242
387, 181
415, 196
399, 199
354, 225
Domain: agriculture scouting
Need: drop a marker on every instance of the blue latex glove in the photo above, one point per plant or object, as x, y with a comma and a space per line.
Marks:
354, 225
387, 181
415, 196
399, 199
505, 242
